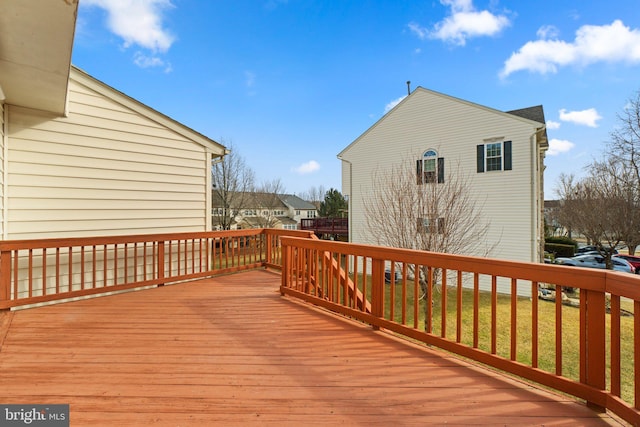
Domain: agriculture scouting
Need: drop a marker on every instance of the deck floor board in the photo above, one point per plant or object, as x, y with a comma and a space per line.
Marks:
232, 351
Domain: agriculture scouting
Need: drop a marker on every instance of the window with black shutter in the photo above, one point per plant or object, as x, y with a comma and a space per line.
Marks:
494, 156
430, 168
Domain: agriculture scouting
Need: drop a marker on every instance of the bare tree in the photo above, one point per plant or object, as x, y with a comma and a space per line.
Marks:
624, 149
624, 146
605, 205
267, 200
438, 217
597, 206
232, 181
314, 195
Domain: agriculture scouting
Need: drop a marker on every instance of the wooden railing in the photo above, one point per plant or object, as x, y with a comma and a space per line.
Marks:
585, 343
326, 225
36, 271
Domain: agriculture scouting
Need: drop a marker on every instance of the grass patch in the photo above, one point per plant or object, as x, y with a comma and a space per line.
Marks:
404, 313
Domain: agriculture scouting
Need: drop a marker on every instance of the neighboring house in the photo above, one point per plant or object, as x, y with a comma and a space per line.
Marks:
79, 157
262, 210
299, 208
501, 153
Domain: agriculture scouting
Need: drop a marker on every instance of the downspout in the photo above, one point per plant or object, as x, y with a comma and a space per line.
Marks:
537, 196
350, 201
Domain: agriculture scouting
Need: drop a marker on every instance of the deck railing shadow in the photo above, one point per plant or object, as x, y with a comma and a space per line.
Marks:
457, 303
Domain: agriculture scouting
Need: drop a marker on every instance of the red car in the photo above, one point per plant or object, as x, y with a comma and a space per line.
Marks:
631, 259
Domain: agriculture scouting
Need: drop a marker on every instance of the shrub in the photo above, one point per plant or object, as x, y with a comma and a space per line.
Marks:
560, 250
563, 240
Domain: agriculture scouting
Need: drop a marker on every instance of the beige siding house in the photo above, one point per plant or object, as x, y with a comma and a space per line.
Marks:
501, 153
81, 158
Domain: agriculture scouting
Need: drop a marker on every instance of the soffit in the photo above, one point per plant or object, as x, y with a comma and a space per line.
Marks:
36, 40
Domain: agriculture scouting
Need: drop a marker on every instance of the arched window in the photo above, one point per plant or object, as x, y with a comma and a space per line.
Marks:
430, 168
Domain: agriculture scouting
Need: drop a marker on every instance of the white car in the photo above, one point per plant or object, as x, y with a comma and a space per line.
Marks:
596, 261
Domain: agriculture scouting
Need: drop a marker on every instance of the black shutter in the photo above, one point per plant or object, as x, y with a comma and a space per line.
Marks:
480, 156
440, 170
419, 172
507, 155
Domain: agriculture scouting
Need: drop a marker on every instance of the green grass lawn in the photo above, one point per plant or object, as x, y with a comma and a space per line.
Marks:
524, 306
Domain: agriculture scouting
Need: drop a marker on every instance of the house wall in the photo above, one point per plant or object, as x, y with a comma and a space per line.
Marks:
101, 170
454, 128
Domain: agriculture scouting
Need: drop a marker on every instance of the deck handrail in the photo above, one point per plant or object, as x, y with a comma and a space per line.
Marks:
391, 280
44, 270
325, 225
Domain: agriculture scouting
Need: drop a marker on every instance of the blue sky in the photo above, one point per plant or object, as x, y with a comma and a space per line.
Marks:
290, 83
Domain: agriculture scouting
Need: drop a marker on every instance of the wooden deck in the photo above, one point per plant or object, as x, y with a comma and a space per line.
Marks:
232, 351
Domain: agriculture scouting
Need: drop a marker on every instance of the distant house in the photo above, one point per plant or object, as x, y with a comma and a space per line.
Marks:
79, 157
502, 154
262, 210
299, 208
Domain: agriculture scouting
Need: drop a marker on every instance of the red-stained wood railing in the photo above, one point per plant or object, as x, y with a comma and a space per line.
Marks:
423, 296
37, 271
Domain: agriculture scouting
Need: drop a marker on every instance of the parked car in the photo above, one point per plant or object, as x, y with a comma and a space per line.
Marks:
596, 261
387, 276
631, 259
593, 250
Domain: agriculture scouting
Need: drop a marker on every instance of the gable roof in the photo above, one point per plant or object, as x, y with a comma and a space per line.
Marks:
296, 202
535, 113
115, 95
258, 200
532, 115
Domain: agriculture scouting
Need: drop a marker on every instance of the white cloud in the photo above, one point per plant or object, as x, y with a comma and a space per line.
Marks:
553, 125
547, 32
421, 32
145, 61
587, 117
138, 22
463, 23
393, 103
606, 43
308, 167
557, 146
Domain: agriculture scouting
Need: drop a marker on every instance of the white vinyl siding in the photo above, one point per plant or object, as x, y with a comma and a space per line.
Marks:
102, 170
454, 128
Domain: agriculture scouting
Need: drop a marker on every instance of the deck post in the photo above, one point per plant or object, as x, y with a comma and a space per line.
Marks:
284, 274
377, 289
5, 279
269, 238
594, 347
160, 262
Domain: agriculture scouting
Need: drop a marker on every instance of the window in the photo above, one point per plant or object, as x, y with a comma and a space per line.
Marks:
278, 213
250, 212
431, 225
297, 212
311, 214
430, 168
494, 156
